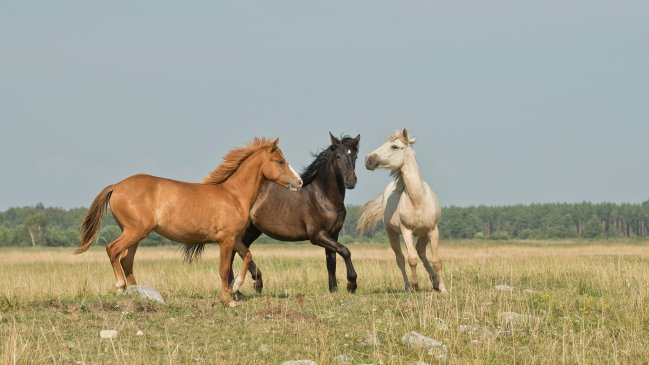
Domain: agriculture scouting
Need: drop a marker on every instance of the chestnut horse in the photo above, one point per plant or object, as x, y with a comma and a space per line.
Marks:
408, 207
213, 211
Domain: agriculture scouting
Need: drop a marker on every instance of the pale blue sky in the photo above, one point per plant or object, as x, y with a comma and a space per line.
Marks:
510, 101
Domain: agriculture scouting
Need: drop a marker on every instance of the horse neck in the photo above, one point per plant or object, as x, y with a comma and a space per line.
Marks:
414, 185
247, 180
328, 181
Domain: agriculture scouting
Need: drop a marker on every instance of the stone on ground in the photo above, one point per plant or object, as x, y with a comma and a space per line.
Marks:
420, 342
107, 334
145, 292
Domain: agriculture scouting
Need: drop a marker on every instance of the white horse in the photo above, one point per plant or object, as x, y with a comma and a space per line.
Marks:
407, 206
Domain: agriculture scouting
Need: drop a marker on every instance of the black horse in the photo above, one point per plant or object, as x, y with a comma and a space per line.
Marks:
315, 213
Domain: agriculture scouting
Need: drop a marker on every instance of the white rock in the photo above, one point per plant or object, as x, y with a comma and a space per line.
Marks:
417, 341
503, 287
344, 359
139, 333
299, 362
418, 363
145, 292
107, 334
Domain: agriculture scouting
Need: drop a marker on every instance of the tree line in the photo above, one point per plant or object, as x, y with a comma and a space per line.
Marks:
49, 226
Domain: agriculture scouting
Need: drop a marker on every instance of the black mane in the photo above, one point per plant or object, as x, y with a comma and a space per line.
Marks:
310, 172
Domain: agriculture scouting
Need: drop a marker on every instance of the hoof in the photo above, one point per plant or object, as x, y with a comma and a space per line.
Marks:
232, 304
119, 290
237, 295
259, 285
351, 287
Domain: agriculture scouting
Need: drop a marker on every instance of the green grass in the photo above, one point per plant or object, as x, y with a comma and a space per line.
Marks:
588, 304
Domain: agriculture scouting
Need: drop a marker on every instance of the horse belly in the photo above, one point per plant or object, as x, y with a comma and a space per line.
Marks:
282, 230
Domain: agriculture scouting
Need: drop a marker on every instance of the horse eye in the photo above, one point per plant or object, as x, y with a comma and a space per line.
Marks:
281, 162
394, 147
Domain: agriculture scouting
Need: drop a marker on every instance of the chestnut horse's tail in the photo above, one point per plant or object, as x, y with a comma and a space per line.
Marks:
92, 221
371, 214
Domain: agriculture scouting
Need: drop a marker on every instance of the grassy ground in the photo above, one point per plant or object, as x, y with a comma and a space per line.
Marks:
585, 303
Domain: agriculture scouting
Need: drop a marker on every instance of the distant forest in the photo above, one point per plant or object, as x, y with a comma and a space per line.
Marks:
56, 227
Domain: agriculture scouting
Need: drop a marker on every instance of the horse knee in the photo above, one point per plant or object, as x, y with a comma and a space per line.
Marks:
412, 261
437, 265
345, 253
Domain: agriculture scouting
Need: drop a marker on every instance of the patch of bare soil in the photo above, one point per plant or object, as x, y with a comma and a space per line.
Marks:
283, 313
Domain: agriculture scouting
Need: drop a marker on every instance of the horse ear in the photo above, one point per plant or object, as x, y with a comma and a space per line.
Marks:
334, 140
406, 136
274, 145
357, 140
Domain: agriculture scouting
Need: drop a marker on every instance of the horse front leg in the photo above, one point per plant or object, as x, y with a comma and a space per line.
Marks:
225, 249
323, 239
330, 256
433, 236
247, 260
395, 243
412, 257
249, 236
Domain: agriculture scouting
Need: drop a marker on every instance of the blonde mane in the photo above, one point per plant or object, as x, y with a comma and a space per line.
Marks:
234, 159
397, 135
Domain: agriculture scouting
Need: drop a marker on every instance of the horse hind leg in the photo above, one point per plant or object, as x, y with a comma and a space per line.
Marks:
422, 243
116, 251
127, 264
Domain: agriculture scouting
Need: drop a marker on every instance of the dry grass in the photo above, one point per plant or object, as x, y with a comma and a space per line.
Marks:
586, 302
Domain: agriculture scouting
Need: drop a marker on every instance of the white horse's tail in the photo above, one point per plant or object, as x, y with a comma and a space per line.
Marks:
371, 214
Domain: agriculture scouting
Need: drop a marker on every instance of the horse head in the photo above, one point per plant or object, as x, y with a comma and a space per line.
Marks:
393, 153
345, 153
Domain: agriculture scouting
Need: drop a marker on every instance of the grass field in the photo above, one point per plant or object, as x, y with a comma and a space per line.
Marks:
582, 303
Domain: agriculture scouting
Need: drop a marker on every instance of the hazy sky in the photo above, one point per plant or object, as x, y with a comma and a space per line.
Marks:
510, 101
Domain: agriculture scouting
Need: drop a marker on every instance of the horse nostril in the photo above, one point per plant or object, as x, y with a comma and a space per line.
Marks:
369, 162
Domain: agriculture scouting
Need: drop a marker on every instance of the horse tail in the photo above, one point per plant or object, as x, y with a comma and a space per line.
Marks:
92, 221
192, 251
371, 214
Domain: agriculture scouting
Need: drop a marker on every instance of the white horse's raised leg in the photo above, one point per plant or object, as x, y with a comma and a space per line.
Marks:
412, 257
401, 261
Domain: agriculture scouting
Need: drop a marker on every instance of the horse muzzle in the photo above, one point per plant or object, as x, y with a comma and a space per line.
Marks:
295, 186
371, 163
350, 183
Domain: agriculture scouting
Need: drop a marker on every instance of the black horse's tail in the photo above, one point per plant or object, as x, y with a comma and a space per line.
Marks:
192, 251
